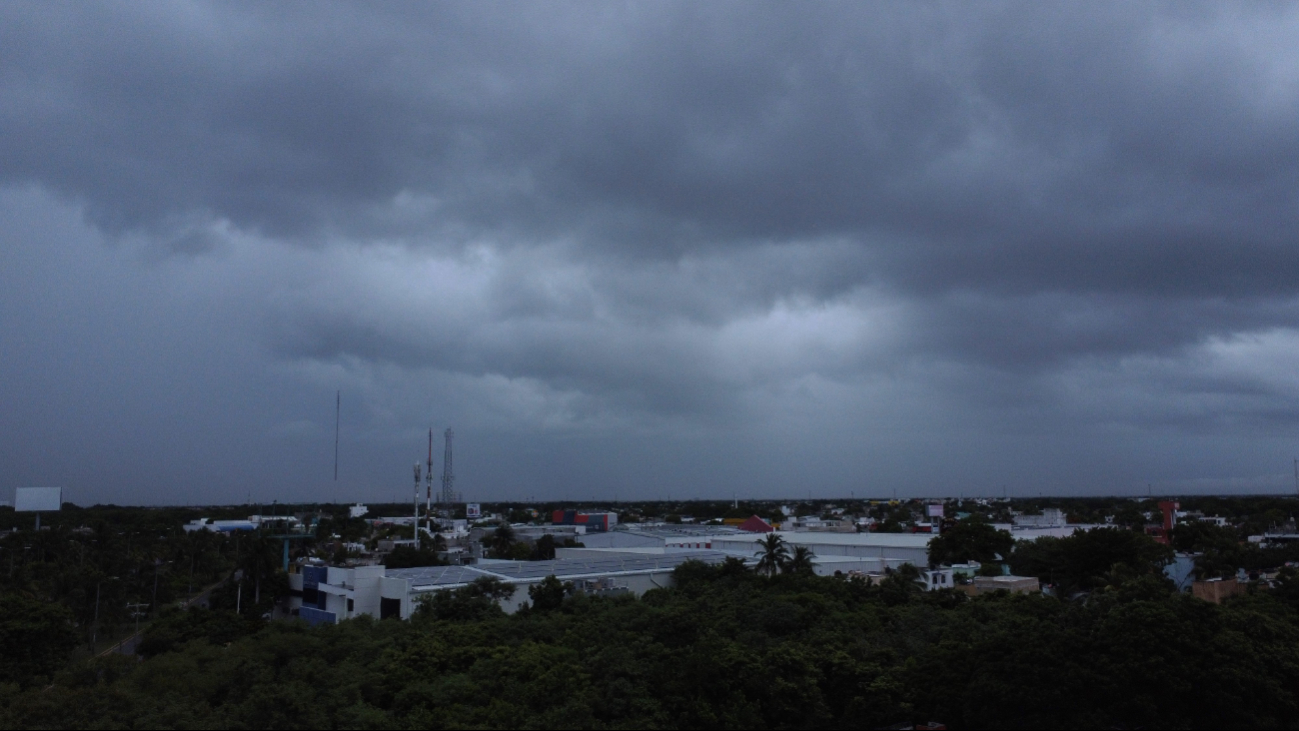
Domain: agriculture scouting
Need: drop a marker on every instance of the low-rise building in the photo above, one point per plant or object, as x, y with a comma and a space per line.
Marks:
219, 526
661, 536
1216, 590
893, 549
935, 579
332, 593
591, 521
1050, 517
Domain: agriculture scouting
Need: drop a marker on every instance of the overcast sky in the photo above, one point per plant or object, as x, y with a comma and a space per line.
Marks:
641, 250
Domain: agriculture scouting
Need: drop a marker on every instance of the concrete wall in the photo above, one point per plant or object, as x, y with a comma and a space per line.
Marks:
1217, 590
390, 588
365, 581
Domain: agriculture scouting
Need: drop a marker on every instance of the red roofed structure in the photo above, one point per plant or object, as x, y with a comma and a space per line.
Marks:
756, 525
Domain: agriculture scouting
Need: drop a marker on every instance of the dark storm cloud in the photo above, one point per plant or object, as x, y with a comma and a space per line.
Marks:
698, 211
1043, 148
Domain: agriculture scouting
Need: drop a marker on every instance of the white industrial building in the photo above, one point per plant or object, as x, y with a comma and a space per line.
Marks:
891, 549
864, 553
660, 536
632, 560
330, 593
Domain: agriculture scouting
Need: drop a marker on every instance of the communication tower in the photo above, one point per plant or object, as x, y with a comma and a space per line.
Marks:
449, 495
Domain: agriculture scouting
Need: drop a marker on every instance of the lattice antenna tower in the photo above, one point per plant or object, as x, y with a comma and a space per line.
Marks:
449, 494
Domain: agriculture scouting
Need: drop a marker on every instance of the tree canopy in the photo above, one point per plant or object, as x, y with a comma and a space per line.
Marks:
970, 540
725, 647
1090, 559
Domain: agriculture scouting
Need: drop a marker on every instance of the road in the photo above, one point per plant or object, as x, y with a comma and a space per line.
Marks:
128, 645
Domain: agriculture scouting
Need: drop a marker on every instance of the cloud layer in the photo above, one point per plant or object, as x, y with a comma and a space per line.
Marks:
649, 248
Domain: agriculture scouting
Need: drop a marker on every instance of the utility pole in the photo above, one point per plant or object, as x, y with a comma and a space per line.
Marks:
135, 612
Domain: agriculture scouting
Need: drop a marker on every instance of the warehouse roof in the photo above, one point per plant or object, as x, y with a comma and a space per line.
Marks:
428, 577
827, 538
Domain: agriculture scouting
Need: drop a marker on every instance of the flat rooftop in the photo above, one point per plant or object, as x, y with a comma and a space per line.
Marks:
677, 531
811, 538
524, 572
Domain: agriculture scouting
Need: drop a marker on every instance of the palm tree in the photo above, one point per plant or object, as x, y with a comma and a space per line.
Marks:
261, 560
501, 540
772, 553
800, 561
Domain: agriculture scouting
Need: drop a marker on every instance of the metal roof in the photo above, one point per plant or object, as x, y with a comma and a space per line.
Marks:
671, 530
827, 538
425, 575
530, 571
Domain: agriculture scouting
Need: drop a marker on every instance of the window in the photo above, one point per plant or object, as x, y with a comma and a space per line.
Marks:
389, 608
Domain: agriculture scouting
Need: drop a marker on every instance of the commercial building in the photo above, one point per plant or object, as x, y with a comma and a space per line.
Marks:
331, 593
219, 526
833, 553
1050, 518
661, 536
591, 521
890, 549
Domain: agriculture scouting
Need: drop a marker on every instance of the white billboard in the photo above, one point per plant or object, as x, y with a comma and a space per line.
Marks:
473, 511
935, 510
38, 499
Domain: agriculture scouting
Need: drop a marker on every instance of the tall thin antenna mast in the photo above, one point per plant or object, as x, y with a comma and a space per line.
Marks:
415, 522
1296, 474
428, 480
338, 406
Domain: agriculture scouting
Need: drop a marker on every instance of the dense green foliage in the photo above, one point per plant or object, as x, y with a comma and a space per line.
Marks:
1093, 559
92, 562
404, 557
725, 648
174, 629
970, 540
475, 602
35, 637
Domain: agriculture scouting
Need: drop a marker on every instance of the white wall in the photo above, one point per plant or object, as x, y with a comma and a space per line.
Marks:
620, 539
